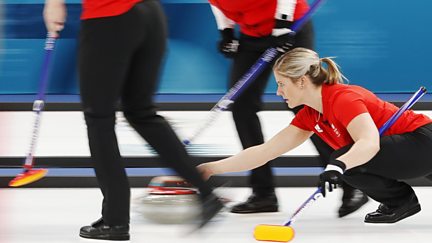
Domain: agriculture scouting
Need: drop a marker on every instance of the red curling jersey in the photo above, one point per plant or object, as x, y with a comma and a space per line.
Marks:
255, 17
341, 103
106, 8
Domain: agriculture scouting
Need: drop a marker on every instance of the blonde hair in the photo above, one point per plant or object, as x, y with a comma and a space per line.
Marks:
301, 61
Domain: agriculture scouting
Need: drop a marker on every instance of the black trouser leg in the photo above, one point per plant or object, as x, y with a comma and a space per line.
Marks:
140, 111
403, 156
388, 191
109, 170
102, 71
111, 67
244, 112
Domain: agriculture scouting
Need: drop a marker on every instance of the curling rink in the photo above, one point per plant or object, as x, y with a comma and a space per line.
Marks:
55, 215
63, 134
44, 215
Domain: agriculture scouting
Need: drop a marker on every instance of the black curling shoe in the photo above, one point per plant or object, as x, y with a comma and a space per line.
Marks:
352, 200
385, 214
100, 231
257, 204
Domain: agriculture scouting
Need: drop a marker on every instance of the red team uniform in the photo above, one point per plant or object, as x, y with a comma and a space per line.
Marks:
342, 103
105, 8
257, 18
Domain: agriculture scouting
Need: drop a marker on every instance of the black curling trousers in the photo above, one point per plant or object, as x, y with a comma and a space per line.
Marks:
403, 156
120, 58
245, 108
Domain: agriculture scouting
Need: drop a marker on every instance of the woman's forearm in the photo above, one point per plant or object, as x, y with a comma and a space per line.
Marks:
248, 159
366, 141
253, 157
360, 153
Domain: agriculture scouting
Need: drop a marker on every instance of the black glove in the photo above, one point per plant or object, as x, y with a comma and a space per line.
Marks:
283, 38
332, 175
228, 45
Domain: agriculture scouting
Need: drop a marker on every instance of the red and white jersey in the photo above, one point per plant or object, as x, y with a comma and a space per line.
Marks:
342, 103
106, 8
256, 17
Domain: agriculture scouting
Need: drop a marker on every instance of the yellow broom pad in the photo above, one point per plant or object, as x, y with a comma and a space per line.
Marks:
27, 177
277, 233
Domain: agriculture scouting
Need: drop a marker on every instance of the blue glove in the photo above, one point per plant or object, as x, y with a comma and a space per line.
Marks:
332, 176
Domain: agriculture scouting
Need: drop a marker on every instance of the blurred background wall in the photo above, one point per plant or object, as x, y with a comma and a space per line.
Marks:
382, 45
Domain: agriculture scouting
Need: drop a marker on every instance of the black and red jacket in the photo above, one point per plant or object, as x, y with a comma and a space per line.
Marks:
256, 17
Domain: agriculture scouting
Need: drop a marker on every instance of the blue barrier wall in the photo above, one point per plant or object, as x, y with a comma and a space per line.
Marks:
382, 45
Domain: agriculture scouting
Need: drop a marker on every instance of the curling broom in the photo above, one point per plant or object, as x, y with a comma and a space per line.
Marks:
30, 174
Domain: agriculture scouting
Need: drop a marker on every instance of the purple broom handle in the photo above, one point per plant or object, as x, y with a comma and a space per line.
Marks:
43, 83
